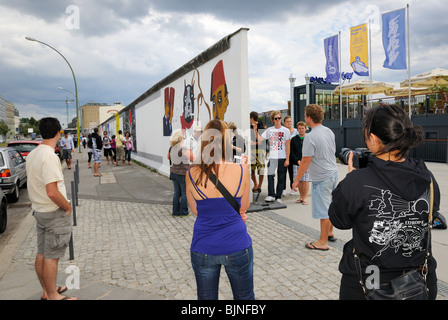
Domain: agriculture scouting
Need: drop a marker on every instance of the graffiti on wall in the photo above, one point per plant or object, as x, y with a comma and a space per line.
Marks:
189, 108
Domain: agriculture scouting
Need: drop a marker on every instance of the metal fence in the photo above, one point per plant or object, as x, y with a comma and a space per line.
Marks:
434, 150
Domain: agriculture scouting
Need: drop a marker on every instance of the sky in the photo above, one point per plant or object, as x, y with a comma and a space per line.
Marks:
118, 49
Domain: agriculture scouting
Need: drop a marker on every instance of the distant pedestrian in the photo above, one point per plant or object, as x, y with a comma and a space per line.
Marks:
89, 150
84, 141
238, 142
220, 235
318, 154
287, 121
113, 147
128, 147
67, 148
179, 157
97, 145
107, 147
120, 147
51, 209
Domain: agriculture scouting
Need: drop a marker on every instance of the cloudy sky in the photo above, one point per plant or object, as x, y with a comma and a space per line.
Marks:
120, 48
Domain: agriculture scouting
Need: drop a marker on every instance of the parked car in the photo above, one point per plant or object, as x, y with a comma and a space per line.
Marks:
26, 146
3, 211
12, 173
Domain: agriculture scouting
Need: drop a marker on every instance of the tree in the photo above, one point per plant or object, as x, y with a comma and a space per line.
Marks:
4, 129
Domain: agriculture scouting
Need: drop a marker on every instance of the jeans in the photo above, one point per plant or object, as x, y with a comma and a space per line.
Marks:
127, 154
276, 165
180, 205
239, 269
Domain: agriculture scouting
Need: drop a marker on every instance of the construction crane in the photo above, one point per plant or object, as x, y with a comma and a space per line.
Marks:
66, 103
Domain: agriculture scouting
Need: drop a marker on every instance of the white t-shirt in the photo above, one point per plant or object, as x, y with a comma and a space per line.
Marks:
43, 167
277, 141
67, 143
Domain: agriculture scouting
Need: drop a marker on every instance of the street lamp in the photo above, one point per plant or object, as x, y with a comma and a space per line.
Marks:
292, 81
60, 88
74, 78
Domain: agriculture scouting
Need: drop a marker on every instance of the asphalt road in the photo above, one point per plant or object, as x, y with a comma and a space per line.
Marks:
16, 213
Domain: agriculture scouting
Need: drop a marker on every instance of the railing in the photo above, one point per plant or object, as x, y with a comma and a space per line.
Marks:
433, 150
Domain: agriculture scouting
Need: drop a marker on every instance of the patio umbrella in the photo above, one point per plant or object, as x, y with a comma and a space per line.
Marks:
398, 91
362, 87
435, 77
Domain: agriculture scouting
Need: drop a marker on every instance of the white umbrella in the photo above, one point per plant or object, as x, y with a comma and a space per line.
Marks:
431, 78
362, 87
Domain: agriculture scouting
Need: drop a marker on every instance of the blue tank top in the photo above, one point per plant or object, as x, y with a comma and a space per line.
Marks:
218, 229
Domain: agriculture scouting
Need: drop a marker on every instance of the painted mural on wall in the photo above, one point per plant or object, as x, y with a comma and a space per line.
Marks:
169, 109
190, 107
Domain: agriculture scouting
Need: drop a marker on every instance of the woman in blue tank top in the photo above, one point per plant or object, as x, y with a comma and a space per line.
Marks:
220, 235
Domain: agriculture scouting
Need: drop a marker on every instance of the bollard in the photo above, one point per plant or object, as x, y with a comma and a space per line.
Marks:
73, 203
70, 247
75, 177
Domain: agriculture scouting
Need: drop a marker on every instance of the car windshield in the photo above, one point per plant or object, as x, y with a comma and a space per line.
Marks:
23, 147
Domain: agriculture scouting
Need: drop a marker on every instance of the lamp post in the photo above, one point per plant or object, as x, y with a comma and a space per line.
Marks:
60, 88
76, 86
292, 81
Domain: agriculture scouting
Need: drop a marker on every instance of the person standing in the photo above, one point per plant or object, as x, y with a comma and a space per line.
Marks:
67, 148
179, 157
113, 147
387, 206
258, 152
287, 121
107, 147
220, 236
97, 145
279, 139
51, 209
319, 156
129, 147
296, 158
120, 148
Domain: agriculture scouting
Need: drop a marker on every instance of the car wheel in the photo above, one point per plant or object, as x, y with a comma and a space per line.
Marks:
3, 216
14, 196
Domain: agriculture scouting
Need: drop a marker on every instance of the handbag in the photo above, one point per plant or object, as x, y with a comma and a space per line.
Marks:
410, 285
225, 193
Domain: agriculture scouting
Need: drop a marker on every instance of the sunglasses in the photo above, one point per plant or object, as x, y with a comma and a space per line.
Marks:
277, 118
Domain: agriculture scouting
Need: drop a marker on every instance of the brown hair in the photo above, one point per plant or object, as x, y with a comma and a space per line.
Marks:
274, 113
315, 112
216, 150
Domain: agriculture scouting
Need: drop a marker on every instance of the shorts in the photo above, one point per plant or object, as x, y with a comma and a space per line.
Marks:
54, 230
321, 195
96, 155
66, 154
305, 177
107, 152
258, 160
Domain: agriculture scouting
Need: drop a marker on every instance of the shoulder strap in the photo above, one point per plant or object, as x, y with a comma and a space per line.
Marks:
225, 193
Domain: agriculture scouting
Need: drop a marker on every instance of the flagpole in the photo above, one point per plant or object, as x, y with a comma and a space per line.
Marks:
409, 62
370, 64
340, 78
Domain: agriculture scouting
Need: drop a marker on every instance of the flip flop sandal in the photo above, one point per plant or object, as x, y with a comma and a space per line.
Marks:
311, 246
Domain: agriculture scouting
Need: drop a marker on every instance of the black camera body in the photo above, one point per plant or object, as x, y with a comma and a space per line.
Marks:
360, 157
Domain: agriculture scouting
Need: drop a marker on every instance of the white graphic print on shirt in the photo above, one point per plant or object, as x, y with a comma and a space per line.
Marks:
399, 225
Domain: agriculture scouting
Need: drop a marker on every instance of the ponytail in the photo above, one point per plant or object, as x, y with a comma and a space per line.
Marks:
394, 128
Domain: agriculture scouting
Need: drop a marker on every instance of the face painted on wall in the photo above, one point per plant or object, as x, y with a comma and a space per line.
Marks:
219, 94
220, 102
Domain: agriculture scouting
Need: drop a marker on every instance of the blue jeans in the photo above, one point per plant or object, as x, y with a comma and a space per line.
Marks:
180, 205
239, 269
127, 154
279, 166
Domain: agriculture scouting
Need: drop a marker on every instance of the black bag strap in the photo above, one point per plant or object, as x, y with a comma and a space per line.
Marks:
225, 193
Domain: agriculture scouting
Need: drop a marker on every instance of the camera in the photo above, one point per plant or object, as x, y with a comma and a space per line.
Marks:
360, 157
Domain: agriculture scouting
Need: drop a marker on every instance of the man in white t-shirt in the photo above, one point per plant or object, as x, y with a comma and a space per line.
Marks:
279, 139
51, 209
67, 148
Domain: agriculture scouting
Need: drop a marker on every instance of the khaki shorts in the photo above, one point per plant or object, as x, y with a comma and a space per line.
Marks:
54, 230
120, 153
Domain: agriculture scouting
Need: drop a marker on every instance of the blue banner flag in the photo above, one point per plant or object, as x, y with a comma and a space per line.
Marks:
331, 46
394, 43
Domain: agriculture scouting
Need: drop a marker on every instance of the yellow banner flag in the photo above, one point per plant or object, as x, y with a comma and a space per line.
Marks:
359, 50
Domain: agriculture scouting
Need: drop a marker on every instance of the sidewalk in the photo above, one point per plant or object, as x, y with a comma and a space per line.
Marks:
128, 247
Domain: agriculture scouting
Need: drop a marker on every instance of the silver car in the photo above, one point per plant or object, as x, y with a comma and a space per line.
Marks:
12, 173
3, 211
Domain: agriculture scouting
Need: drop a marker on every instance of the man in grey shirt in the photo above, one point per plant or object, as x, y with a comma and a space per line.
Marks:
318, 155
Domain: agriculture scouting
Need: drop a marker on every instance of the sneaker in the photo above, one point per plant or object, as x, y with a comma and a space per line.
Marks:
292, 192
284, 193
269, 199
279, 201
